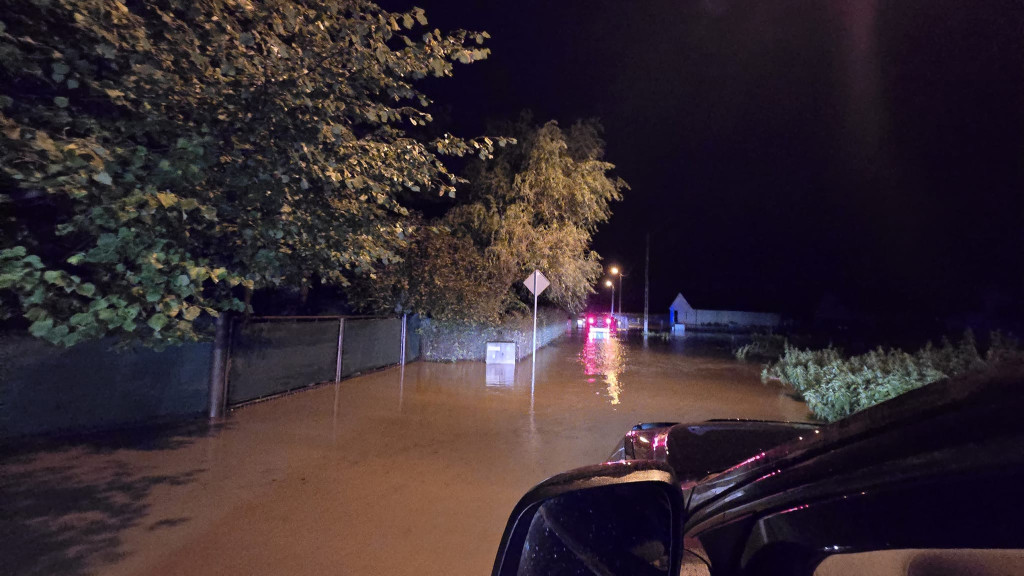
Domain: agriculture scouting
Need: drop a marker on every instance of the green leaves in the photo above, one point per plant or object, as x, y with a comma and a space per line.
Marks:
178, 159
157, 321
41, 328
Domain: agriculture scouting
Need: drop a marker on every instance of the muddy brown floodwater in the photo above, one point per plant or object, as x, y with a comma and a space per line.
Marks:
401, 472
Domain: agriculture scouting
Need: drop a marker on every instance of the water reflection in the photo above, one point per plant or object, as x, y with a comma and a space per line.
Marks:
614, 389
605, 357
500, 374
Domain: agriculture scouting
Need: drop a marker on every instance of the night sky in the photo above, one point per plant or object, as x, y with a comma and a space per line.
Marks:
780, 151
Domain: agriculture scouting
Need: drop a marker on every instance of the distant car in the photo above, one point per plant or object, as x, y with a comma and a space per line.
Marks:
935, 477
600, 324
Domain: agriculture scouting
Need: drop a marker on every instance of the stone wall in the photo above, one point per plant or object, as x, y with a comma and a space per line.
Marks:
446, 342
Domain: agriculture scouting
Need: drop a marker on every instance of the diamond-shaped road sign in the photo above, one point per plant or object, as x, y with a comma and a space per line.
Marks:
538, 281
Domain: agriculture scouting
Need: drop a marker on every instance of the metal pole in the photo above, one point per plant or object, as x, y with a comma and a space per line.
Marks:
613, 299
647, 280
533, 367
341, 340
401, 387
218, 377
404, 318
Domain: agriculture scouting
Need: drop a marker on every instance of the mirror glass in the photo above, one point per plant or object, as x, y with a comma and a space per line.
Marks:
607, 531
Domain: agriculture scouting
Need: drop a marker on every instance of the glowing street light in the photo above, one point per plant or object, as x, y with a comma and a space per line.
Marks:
615, 272
611, 285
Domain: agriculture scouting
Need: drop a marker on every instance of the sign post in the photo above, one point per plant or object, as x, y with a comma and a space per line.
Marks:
535, 283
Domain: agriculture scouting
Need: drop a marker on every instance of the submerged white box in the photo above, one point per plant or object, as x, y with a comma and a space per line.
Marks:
501, 374
501, 353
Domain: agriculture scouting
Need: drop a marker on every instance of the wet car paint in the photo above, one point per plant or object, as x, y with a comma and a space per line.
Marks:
697, 450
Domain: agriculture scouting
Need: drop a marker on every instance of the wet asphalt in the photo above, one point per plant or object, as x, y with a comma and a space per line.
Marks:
403, 471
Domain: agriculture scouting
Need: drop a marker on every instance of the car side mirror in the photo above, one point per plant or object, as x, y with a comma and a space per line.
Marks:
617, 519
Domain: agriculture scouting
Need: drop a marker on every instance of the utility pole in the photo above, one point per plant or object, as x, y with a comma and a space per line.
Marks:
647, 280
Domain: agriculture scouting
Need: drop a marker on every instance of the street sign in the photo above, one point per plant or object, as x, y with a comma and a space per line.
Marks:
536, 280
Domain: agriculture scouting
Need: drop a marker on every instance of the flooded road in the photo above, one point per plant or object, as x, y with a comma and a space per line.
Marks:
402, 472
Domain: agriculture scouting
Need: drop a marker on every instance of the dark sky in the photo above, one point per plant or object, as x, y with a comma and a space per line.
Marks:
780, 150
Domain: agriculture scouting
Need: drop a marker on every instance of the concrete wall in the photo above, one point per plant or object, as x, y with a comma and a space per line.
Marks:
49, 390
728, 317
635, 321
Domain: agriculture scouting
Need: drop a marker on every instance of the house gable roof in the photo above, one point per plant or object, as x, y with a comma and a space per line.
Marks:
680, 303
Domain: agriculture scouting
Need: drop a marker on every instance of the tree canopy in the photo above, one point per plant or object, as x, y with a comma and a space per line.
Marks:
159, 158
533, 206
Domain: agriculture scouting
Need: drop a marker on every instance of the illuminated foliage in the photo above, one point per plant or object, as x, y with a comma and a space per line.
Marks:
160, 158
533, 206
836, 386
538, 207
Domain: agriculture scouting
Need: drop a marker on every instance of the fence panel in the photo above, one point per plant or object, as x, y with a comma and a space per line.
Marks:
269, 358
412, 339
371, 343
49, 390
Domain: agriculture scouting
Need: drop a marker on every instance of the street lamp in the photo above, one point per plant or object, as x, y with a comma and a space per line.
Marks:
611, 285
616, 272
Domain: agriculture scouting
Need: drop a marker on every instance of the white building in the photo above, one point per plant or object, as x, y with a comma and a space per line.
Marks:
681, 315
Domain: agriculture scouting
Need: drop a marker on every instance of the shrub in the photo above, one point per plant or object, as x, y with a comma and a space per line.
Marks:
835, 386
764, 346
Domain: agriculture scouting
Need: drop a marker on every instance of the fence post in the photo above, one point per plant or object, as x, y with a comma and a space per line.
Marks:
405, 317
218, 377
341, 340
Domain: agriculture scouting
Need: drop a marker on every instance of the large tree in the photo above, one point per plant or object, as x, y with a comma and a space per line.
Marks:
534, 205
160, 158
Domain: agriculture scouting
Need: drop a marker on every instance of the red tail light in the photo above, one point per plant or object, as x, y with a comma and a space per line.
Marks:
590, 319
